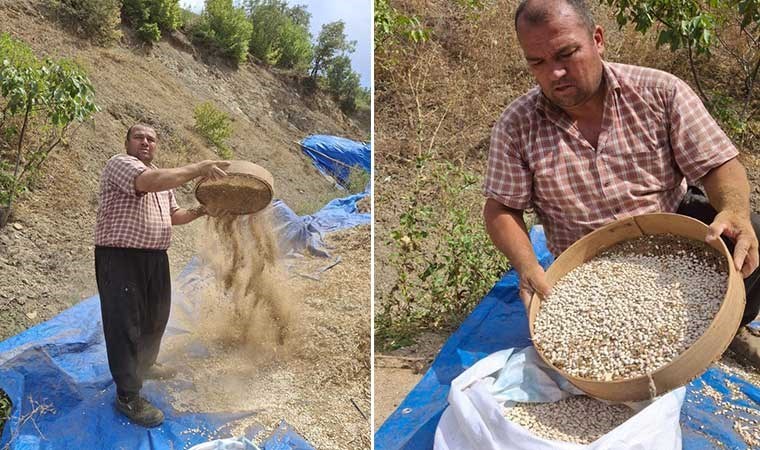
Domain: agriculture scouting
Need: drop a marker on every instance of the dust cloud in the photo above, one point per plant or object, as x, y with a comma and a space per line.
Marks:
248, 305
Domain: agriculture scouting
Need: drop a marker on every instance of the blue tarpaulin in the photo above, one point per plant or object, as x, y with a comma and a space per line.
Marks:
303, 234
62, 363
499, 322
335, 156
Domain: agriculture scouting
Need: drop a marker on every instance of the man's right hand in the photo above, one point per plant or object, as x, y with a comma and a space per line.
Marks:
212, 170
533, 281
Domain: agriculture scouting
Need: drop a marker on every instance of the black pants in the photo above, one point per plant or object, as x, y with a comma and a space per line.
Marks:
135, 298
696, 205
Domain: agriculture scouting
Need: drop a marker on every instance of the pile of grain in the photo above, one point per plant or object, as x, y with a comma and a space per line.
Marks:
632, 309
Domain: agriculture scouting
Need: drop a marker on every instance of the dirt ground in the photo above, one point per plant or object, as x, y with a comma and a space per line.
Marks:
398, 371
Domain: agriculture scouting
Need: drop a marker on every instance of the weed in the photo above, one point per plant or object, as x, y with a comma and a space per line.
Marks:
443, 259
357, 181
5, 410
36, 409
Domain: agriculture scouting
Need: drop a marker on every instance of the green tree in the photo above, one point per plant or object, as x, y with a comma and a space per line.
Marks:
343, 82
300, 15
331, 42
40, 101
278, 38
148, 15
226, 27
702, 27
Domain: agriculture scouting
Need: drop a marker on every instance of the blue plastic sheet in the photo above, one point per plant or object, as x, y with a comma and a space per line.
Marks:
335, 156
499, 322
62, 363
304, 234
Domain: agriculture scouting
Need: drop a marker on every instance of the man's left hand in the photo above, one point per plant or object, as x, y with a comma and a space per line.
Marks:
739, 229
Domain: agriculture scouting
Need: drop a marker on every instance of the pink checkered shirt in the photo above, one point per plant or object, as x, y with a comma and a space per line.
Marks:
131, 219
655, 135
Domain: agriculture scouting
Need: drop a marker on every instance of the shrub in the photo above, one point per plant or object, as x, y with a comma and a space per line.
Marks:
40, 101
226, 28
214, 125
443, 258
278, 38
97, 19
148, 15
149, 32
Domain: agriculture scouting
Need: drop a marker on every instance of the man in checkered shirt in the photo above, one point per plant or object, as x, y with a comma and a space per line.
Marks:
132, 233
598, 141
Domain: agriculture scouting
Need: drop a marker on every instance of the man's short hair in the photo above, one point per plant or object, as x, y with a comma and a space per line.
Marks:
138, 125
536, 14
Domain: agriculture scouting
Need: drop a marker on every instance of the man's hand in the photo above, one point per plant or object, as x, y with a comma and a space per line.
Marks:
533, 281
213, 170
215, 212
739, 229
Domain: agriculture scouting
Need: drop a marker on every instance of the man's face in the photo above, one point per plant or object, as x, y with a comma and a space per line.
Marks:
142, 143
564, 57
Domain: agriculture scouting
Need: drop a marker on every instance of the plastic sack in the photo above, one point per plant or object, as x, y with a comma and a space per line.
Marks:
239, 443
474, 418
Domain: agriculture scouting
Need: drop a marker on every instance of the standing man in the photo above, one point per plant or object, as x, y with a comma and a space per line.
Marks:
132, 233
598, 141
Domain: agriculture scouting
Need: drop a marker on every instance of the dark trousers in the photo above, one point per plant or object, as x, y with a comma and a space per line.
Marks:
135, 298
696, 205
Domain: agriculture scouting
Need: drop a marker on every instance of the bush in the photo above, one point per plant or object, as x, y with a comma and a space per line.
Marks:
226, 28
214, 125
97, 19
40, 101
148, 15
277, 38
443, 258
149, 32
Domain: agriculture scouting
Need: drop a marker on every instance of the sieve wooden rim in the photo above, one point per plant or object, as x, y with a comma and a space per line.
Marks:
690, 363
266, 180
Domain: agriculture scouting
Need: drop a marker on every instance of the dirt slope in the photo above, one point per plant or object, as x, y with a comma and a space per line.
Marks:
46, 250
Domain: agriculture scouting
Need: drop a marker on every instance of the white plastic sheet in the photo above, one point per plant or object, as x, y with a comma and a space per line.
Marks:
474, 418
238, 443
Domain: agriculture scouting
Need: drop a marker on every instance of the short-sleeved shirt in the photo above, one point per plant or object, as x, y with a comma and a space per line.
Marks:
128, 218
655, 135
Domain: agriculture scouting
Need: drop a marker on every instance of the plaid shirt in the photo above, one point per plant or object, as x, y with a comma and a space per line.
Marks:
655, 135
131, 219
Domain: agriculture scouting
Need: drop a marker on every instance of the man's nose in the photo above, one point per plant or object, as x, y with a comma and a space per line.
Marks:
557, 72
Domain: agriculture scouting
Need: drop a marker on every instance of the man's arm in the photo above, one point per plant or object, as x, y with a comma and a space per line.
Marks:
158, 180
183, 216
728, 191
508, 232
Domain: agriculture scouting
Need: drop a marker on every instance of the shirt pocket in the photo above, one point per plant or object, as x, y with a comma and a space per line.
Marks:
646, 158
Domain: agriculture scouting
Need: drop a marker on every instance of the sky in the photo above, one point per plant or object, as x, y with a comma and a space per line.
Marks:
358, 22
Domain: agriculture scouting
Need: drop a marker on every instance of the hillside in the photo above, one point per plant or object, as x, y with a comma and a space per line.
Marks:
46, 251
